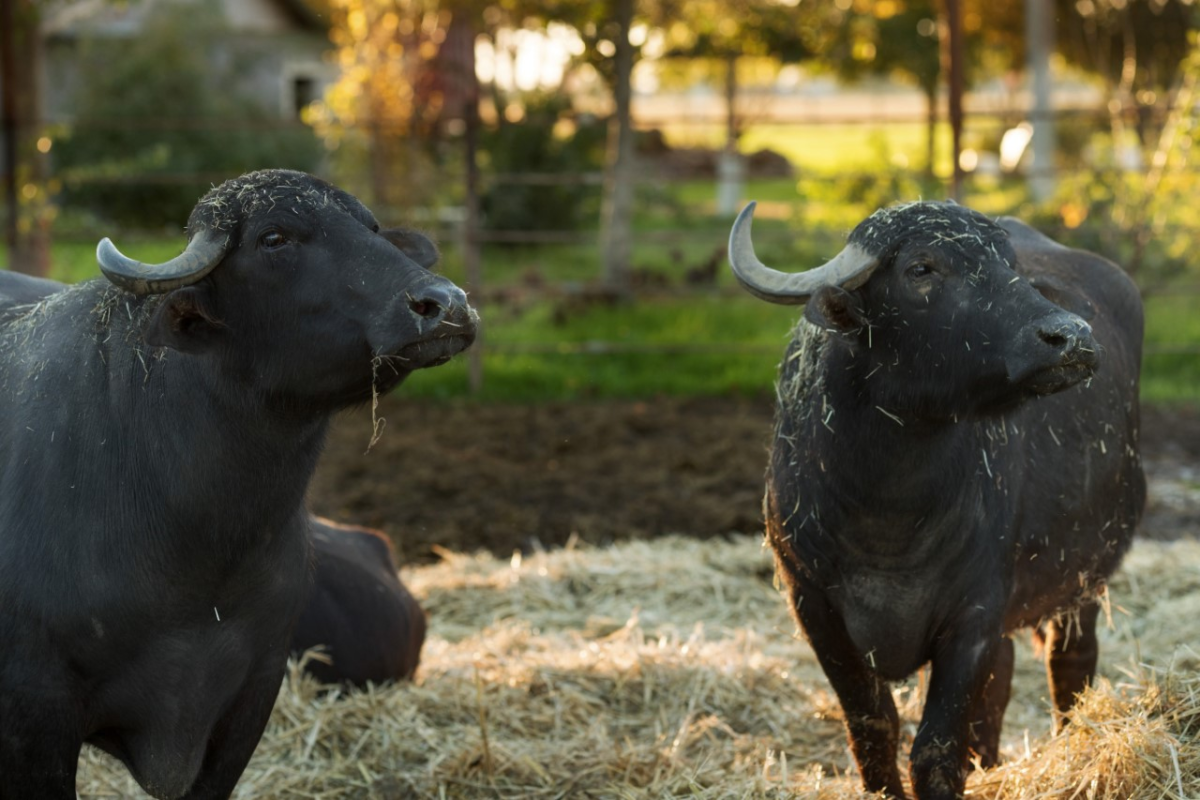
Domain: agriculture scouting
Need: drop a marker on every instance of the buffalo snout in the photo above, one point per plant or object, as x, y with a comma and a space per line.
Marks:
425, 324
436, 304
1054, 353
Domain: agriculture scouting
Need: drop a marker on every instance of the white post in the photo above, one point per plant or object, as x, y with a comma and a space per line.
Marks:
1039, 37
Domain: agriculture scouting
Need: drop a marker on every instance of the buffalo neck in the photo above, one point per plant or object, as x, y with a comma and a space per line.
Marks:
223, 448
168, 462
863, 467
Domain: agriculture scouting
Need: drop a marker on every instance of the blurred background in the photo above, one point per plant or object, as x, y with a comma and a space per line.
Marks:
580, 160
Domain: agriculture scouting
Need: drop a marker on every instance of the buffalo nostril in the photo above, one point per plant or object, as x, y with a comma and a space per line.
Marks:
1054, 338
425, 308
437, 303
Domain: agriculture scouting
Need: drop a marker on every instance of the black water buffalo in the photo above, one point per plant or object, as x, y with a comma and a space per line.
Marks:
157, 433
370, 626
955, 456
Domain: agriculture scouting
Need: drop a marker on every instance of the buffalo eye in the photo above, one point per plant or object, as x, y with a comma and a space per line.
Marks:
271, 240
918, 271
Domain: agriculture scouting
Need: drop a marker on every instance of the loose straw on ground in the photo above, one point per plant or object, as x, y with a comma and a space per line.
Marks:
670, 669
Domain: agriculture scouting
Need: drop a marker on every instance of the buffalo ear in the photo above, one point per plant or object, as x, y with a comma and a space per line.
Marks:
417, 246
185, 321
832, 308
1063, 296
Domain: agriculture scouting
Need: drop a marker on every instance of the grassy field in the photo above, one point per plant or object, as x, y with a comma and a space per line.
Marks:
828, 148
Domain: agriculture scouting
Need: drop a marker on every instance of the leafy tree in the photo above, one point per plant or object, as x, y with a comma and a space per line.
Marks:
531, 145
903, 39
719, 34
157, 123
385, 102
603, 27
1136, 46
26, 217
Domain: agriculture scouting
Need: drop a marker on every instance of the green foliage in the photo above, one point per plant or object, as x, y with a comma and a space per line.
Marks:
1148, 229
721, 29
158, 124
532, 146
1100, 35
1170, 365
878, 180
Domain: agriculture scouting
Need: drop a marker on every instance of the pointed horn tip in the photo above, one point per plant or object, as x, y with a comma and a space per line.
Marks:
109, 257
740, 233
746, 214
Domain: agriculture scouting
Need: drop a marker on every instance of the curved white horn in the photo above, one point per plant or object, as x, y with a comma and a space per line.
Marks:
848, 269
203, 253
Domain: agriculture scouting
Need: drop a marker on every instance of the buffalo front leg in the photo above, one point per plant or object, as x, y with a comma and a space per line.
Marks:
988, 719
236, 735
872, 724
40, 735
1071, 654
962, 666
37, 763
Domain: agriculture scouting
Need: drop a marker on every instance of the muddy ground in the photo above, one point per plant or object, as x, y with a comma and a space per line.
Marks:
466, 477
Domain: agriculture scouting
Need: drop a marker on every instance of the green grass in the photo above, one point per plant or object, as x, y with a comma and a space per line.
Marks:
690, 345
828, 148
74, 261
1171, 321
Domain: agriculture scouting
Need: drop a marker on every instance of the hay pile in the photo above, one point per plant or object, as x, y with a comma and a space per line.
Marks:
669, 669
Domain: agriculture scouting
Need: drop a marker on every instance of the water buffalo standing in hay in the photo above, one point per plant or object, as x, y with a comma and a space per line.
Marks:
955, 456
370, 626
158, 433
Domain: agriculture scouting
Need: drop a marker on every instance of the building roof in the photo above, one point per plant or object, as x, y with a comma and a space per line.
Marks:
69, 19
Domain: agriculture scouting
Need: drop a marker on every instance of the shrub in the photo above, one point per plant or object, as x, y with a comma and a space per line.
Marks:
532, 146
158, 123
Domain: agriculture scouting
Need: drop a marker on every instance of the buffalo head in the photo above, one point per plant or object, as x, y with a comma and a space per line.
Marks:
929, 306
293, 287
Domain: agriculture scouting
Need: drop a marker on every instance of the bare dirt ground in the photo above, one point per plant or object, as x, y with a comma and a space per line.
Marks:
468, 477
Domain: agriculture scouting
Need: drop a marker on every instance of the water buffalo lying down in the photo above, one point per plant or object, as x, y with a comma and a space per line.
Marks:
157, 433
955, 457
369, 625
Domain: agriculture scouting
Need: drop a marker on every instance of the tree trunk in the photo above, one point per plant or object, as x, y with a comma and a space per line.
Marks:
617, 210
26, 224
931, 123
953, 58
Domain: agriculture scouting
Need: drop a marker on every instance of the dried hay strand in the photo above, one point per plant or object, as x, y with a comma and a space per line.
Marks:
1136, 740
669, 669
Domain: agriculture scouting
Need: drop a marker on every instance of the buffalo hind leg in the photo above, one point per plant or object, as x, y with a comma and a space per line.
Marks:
1071, 653
872, 723
986, 724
